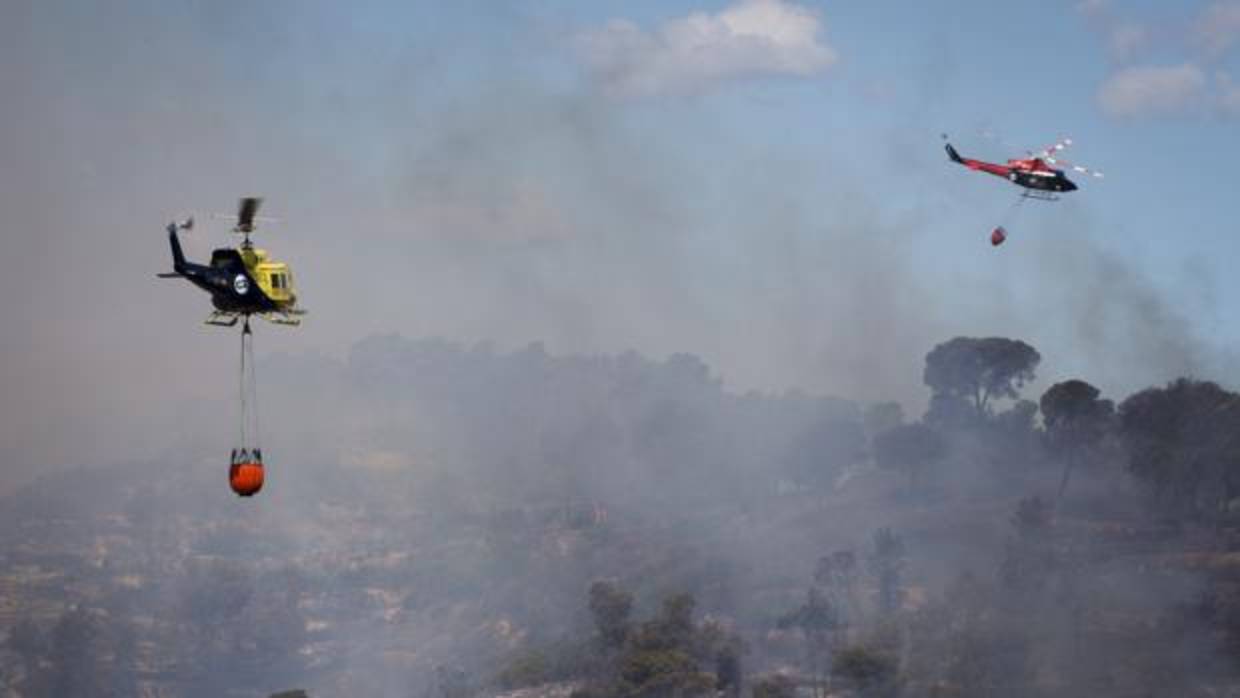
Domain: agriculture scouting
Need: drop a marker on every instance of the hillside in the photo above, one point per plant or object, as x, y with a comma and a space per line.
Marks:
448, 540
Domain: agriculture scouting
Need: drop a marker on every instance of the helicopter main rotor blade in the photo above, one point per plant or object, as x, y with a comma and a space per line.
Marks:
1075, 168
1050, 150
233, 217
245, 213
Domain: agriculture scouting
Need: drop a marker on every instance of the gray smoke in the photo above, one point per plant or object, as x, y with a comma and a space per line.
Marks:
474, 184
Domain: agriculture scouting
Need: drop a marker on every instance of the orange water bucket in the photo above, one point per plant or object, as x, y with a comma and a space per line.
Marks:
245, 474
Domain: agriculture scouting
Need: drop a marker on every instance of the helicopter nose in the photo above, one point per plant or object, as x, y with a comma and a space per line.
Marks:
1068, 185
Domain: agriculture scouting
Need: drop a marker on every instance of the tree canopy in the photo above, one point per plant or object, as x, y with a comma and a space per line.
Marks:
1076, 420
610, 606
1183, 442
980, 369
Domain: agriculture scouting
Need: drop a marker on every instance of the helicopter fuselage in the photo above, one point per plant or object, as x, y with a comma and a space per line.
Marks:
241, 281
1030, 173
1035, 174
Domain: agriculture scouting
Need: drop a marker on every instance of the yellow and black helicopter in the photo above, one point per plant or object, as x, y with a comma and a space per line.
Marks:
243, 280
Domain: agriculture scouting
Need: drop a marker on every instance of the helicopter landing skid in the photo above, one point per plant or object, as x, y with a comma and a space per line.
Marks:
1039, 195
220, 318
281, 319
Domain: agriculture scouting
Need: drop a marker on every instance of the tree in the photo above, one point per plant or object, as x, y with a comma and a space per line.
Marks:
870, 671
1029, 557
886, 564
816, 617
910, 448
728, 672
819, 620
980, 369
1183, 442
676, 619
987, 656
528, 668
237, 627
1032, 518
1076, 421
451, 682
661, 657
837, 575
1016, 424
27, 641
947, 412
90, 656
658, 673
775, 686
30, 644
610, 606
73, 653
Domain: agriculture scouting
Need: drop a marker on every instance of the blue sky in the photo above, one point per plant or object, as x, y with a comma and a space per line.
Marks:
758, 182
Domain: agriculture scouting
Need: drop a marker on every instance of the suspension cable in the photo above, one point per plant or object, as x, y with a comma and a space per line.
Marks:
254, 394
245, 331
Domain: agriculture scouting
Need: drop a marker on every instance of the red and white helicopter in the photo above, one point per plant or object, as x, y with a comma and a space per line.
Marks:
1035, 173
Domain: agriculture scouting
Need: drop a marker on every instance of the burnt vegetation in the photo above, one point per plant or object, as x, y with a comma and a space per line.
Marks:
456, 521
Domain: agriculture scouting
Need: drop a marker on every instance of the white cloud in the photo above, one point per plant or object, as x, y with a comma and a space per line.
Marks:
1219, 27
1125, 38
1153, 90
689, 54
1143, 90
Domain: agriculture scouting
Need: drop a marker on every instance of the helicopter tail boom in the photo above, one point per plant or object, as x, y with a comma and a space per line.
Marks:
178, 257
181, 268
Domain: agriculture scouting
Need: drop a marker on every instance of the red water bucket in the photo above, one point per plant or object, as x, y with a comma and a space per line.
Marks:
245, 473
